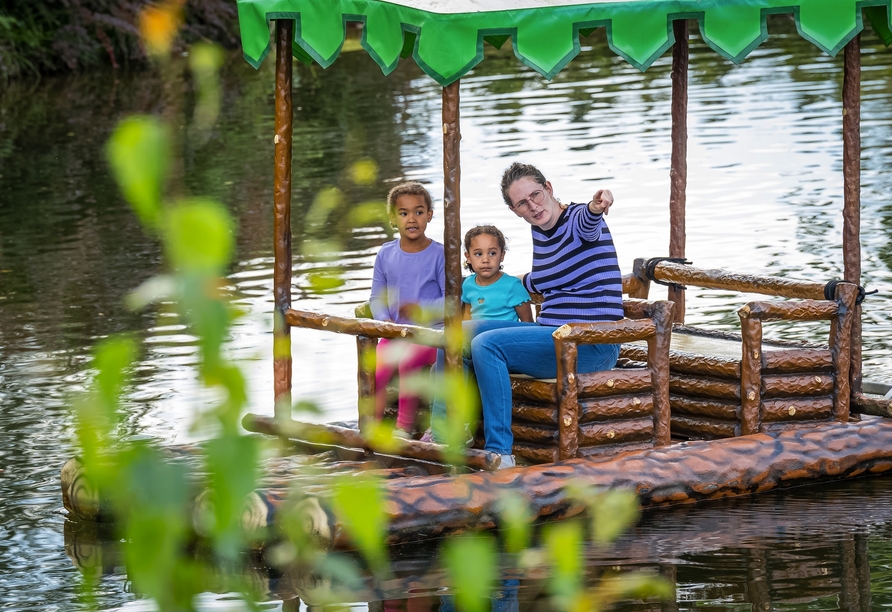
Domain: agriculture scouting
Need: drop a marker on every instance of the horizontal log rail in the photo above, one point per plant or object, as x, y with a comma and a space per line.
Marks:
606, 332
804, 310
342, 436
365, 327
670, 272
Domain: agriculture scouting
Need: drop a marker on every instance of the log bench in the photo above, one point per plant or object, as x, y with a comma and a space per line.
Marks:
723, 385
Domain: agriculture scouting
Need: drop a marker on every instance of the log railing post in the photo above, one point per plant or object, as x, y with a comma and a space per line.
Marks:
282, 219
678, 173
567, 398
452, 227
851, 168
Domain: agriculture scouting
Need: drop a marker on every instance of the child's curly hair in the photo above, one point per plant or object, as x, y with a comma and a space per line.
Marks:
410, 188
475, 231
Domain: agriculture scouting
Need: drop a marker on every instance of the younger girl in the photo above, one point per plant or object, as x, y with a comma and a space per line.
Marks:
408, 286
489, 293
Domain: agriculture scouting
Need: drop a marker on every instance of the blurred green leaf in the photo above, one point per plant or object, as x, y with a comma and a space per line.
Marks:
156, 289
321, 282
364, 172
637, 585
326, 201
306, 407
199, 236
231, 463
368, 214
139, 153
359, 503
516, 521
319, 249
472, 564
563, 543
205, 60
612, 512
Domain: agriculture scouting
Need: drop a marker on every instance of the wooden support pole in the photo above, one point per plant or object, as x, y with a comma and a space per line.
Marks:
851, 169
678, 173
841, 349
568, 408
750, 374
658, 364
282, 219
452, 238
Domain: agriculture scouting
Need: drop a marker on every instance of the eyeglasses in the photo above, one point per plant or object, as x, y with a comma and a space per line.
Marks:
534, 198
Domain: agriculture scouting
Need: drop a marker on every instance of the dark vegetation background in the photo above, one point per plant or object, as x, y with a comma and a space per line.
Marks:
45, 36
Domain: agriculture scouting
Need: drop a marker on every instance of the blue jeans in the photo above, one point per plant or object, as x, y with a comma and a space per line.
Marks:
495, 349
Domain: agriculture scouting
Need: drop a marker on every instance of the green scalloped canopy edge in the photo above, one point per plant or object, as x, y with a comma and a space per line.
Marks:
447, 46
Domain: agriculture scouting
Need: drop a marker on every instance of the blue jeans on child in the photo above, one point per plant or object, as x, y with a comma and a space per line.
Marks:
495, 349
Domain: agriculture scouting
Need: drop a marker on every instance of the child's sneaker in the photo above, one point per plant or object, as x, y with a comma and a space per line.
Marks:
428, 436
507, 462
402, 433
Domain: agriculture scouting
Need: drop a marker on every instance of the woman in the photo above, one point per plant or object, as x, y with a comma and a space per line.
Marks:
575, 269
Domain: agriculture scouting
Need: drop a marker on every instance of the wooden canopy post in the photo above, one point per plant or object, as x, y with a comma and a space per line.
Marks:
678, 173
452, 224
851, 170
282, 219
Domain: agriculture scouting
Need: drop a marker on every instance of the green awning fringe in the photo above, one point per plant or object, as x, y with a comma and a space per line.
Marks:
447, 46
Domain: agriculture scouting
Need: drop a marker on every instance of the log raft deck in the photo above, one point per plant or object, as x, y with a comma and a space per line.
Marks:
757, 416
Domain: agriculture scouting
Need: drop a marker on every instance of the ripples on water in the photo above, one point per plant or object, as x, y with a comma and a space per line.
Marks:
764, 196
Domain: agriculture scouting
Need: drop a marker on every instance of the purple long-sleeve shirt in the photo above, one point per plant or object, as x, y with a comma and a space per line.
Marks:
409, 278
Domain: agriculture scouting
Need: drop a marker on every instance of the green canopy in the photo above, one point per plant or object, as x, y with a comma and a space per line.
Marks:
446, 36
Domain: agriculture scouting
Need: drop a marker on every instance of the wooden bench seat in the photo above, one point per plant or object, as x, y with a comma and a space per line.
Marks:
601, 413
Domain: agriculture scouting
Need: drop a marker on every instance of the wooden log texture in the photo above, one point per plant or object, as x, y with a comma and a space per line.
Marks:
452, 234
342, 436
616, 407
748, 283
534, 390
750, 374
566, 390
797, 408
535, 453
616, 432
796, 385
640, 287
539, 433
610, 450
725, 410
365, 327
703, 386
703, 428
435, 506
797, 360
678, 167
876, 406
802, 310
692, 363
658, 363
841, 349
606, 332
851, 171
282, 155
598, 409
614, 382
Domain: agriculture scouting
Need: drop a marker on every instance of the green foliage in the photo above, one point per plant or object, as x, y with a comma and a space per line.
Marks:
472, 564
138, 152
359, 503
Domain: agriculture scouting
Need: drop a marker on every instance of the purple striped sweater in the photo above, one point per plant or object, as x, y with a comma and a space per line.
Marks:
576, 270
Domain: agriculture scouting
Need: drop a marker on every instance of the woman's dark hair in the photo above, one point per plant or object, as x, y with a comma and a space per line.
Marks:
492, 230
517, 171
410, 188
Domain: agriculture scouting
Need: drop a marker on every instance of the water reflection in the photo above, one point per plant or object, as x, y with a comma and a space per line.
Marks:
765, 175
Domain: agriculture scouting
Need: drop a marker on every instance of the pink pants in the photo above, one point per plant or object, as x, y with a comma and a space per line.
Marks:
389, 361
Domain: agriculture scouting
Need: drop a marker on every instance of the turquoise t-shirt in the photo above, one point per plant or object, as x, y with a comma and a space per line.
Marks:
495, 301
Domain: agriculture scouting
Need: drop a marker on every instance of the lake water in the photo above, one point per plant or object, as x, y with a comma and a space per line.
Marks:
764, 196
